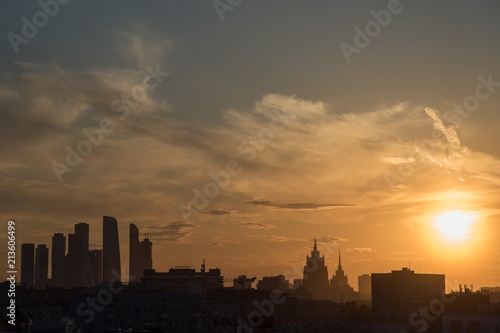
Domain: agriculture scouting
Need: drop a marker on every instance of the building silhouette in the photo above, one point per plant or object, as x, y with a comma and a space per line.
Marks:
78, 271
315, 278
140, 254
95, 257
183, 279
273, 283
82, 232
111, 267
243, 282
365, 287
147, 254
28, 265
58, 254
41, 266
396, 295
71, 266
341, 290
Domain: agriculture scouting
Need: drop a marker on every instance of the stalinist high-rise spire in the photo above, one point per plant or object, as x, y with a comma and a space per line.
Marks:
315, 277
340, 262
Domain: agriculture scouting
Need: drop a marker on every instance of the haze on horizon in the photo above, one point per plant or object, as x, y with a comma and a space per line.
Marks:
372, 157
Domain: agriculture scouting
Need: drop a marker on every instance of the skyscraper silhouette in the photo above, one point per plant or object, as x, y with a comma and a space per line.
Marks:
140, 255
71, 265
84, 267
28, 265
82, 231
78, 270
341, 289
96, 265
316, 275
110, 250
58, 253
41, 266
147, 254
135, 255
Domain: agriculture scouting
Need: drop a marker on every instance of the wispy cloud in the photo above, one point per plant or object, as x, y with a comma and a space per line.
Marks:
249, 225
298, 205
360, 249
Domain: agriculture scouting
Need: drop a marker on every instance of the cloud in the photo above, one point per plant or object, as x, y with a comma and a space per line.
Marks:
171, 232
220, 241
330, 239
256, 225
450, 132
259, 202
360, 249
249, 225
223, 212
298, 205
276, 239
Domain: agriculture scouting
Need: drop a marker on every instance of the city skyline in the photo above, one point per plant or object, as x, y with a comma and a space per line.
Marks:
315, 272
238, 134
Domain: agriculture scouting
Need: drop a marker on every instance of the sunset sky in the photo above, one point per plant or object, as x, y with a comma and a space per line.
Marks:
365, 154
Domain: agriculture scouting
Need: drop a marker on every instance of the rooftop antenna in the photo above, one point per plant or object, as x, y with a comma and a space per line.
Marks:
203, 266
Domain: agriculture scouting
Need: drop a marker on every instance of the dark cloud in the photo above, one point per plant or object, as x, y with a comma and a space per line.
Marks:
171, 232
250, 225
259, 202
298, 205
221, 211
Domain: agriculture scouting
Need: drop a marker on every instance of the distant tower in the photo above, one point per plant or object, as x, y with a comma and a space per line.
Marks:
365, 287
41, 266
316, 275
341, 290
140, 255
58, 253
82, 230
340, 279
147, 254
78, 270
72, 268
28, 265
135, 254
111, 267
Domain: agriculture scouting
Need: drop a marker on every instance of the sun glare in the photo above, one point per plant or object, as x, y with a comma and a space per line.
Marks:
455, 225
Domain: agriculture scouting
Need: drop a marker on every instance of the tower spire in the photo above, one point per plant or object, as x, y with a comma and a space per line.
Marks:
315, 247
340, 262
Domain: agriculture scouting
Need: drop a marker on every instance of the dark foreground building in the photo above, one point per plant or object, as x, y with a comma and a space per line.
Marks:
397, 295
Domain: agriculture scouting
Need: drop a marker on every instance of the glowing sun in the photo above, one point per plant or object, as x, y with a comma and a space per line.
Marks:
455, 225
